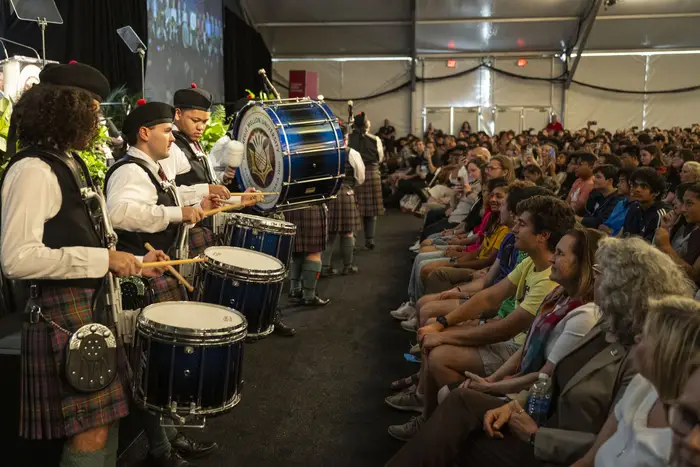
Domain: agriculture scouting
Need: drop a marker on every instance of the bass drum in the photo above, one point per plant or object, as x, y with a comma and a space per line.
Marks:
294, 147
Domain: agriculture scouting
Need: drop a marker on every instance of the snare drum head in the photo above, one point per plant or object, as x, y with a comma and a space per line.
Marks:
191, 316
241, 258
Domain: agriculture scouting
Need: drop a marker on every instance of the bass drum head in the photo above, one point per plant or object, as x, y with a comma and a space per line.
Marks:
263, 165
241, 258
191, 318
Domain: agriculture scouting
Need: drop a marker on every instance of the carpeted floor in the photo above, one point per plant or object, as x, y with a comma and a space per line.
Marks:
317, 399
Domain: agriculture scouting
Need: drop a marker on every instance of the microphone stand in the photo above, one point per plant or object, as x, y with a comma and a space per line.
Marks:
142, 53
42, 25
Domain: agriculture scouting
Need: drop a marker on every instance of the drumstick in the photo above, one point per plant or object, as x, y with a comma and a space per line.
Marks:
173, 262
230, 207
172, 271
264, 193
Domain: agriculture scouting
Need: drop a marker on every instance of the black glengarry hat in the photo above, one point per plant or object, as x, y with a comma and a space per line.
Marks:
192, 98
148, 115
77, 75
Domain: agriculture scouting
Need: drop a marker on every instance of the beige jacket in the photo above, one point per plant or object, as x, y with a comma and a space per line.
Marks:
584, 404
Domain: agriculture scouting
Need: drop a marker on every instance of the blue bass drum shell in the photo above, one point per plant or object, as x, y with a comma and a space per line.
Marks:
294, 147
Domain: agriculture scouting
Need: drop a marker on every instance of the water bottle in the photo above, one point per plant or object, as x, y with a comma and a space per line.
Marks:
539, 399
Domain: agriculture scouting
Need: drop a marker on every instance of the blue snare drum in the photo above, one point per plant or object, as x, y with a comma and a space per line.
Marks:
246, 280
187, 358
270, 236
294, 147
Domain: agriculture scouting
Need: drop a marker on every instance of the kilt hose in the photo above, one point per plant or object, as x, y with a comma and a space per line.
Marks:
369, 194
49, 407
200, 238
312, 228
343, 215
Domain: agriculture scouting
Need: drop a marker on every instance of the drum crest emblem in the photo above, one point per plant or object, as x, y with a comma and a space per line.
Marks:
260, 156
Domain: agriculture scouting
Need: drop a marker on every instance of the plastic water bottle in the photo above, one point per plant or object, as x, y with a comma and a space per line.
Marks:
539, 399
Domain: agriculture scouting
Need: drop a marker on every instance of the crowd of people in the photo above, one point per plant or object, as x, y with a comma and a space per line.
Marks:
563, 256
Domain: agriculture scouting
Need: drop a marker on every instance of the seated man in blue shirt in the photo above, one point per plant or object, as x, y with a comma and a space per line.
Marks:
604, 198
645, 210
613, 224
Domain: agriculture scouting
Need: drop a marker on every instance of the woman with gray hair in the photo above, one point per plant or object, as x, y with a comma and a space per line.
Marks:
588, 382
637, 431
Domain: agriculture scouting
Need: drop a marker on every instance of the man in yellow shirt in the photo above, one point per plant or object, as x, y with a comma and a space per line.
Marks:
481, 349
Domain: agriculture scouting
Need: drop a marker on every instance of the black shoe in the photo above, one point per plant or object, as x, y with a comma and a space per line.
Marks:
370, 245
295, 293
284, 330
173, 459
190, 448
329, 272
350, 270
316, 301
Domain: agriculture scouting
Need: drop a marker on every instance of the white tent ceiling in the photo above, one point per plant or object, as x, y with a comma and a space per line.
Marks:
332, 28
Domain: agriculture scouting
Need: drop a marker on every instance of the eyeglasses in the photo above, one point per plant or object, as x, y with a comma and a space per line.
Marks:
681, 420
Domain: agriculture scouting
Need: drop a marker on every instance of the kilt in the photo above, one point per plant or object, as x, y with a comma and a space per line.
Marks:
49, 407
167, 289
312, 228
343, 215
369, 194
200, 238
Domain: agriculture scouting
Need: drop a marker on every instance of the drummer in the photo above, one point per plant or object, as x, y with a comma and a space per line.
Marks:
369, 194
143, 205
344, 216
188, 164
146, 208
50, 242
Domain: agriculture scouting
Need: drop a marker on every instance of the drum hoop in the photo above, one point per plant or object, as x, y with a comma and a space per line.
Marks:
186, 410
155, 329
243, 274
267, 225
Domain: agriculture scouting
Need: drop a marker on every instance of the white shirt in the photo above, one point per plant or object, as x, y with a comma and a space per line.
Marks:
31, 196
132, 199
355, 160
570, 331
634, 444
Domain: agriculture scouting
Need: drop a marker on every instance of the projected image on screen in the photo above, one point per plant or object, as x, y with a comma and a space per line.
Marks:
184, 46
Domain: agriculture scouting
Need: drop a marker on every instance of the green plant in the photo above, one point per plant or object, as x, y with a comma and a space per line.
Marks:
216, 128
94, 156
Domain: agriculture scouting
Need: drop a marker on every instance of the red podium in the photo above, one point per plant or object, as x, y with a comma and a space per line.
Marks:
303, 84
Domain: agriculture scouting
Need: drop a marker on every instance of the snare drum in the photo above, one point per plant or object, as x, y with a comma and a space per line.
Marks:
269, 236
294, 147
246, 280
188, 358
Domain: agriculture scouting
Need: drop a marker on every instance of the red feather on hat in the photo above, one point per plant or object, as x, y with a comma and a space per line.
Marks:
72, 62
140, 102
194, 86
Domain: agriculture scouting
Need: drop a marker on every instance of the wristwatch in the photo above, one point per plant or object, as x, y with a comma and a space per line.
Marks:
442, 320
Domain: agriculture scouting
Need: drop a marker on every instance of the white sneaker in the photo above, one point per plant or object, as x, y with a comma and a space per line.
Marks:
410, 324
415, 247
404, 312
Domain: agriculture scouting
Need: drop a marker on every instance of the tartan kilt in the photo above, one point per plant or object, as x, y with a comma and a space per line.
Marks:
312, 228
167, 289
343, 215
199, 239
369, 194
49, 407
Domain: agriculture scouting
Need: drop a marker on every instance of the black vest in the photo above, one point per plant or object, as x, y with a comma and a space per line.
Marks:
133, 242
77, 223
366, 146
200, 172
